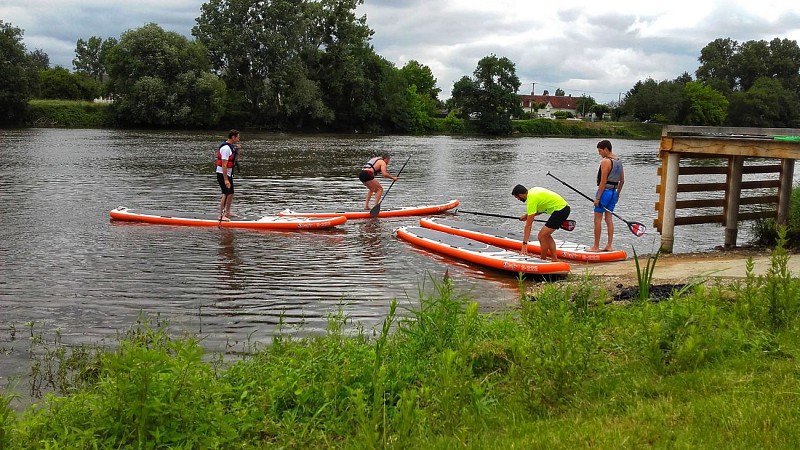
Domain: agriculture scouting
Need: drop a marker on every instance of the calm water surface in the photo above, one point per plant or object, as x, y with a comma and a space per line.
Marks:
65, 265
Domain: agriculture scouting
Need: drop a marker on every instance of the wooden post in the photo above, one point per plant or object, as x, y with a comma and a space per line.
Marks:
671, 171
785, 190
733, 192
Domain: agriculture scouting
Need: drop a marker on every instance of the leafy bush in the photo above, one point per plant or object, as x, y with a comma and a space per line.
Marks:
66, 113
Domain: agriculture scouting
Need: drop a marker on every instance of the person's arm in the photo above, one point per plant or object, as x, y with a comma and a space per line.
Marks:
605, 169
384, 172
621, 181
527, 233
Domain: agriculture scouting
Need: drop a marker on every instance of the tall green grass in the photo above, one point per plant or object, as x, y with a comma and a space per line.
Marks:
711, 367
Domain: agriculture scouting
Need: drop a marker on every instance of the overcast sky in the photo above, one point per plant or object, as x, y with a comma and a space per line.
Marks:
598, 48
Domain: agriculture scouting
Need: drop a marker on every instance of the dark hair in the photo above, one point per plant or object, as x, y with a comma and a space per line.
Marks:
605, 143
233, 133
519, 189
385, 156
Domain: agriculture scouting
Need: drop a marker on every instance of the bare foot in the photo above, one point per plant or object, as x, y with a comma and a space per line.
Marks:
608, 249
224, 219
593, 249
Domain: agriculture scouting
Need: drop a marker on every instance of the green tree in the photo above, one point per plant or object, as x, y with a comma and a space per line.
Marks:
263, 50
766, 104
559, 92
422, 93
716, 65
584, 104
38, 60
160, 78
491, 95
704, 105
59, 83
601, 110
751, 63
421, 76
90, 56
651, 99
16, 75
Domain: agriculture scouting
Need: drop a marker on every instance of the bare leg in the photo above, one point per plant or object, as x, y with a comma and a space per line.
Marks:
547, 243
223, 200
369, 195
374, 187
378, 195
610, 228
228, 203
598, 223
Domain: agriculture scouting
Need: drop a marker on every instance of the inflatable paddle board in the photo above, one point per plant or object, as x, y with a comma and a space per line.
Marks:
513, 240
479, 252
211, 220
385, 212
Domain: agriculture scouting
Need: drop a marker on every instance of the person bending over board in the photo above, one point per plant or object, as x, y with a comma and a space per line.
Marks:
373, 167
539, 200
226, 157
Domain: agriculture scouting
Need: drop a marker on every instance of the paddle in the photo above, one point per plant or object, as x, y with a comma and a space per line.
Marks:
636, 228
377, 208
568, 225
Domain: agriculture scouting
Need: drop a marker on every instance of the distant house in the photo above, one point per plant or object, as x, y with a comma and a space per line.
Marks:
553, 103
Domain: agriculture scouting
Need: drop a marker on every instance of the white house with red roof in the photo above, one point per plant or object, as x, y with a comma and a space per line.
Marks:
552, 104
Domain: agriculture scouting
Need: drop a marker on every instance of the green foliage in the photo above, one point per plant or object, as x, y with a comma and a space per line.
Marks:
650, 98
16, 77
160, 79
444, 375
490, 96
152, 392
766, 104
705, 106
760, 79
7, 419
91, 57
644, 275
68, 113
60, 84
765, 231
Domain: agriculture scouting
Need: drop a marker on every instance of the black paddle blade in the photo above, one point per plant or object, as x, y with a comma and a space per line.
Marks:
375, 210
568, 225
637, 228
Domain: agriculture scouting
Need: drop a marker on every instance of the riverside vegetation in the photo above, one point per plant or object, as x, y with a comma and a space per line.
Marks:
714, 366
83, 114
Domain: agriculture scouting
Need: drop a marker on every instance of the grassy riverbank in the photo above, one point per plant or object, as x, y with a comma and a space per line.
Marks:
82, 114
711, 367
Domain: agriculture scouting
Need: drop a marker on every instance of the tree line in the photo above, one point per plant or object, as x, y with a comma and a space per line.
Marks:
309, 65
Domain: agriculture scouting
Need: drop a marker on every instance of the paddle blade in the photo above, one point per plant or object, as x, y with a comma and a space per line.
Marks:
637, 228
375, 210
568, 225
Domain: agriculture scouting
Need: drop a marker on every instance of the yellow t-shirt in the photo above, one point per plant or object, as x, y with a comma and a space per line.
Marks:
541, 200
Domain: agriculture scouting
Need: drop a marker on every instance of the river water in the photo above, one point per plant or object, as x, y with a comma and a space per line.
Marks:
65, 266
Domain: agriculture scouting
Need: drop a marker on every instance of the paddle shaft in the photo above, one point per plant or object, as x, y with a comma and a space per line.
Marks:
568, 225
636, 228
377, 208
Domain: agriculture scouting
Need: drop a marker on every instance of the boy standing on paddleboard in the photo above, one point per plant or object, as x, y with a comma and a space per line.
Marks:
226, 158
540, 200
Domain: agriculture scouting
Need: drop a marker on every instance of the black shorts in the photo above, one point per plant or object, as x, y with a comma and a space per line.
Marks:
221, 181
557, 218
366, 175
